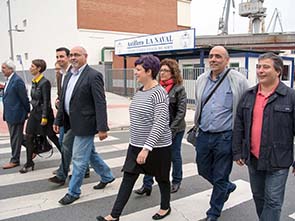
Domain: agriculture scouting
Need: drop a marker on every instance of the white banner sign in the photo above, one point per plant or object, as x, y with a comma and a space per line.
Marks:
177, 40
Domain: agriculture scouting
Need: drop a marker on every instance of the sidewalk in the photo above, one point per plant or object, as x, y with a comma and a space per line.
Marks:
118, 112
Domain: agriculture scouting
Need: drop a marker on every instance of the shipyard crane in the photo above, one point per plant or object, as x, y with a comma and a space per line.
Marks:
254, 10
223, 21
273, 21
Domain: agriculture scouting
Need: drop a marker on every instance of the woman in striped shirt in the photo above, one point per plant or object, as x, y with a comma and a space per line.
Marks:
149, 149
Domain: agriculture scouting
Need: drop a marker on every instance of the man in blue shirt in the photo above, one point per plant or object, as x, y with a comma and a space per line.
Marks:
215, 122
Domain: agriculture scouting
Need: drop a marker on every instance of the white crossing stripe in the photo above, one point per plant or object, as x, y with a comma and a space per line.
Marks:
194, 207
56, 155
123, 146
36, 175
96, 139
292, 216
49, 200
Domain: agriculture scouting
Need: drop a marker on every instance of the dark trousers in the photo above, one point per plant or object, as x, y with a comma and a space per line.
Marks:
148, 181
16, 139
30, 146
125, 190
214, 160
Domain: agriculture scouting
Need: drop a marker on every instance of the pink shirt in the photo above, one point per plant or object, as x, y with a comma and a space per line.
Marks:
260, 103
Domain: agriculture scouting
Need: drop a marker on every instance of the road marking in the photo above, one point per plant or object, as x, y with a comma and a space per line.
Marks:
35, 175
98, 148
39, 202
96, 139
292, 216
194, 207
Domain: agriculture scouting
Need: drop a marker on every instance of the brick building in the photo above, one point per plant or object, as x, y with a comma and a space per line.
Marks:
95, 24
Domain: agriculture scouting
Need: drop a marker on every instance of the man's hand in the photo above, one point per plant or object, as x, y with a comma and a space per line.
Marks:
293, 171
240, 162
102, 135
55, 128
57, 103
141, 157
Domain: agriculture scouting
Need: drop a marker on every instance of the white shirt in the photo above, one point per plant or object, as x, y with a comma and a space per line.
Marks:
63, 74
7, 82
70, 88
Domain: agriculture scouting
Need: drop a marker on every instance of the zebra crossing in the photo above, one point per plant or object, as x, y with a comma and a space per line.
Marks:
31, 197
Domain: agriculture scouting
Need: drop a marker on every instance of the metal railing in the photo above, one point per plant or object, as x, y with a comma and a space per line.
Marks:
123, 81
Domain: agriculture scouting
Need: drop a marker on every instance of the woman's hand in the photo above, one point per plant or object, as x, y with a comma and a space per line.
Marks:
141, 157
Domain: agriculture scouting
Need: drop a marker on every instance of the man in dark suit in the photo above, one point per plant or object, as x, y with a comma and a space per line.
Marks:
16, 108
82, 112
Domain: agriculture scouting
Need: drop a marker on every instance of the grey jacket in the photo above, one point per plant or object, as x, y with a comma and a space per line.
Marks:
238, 84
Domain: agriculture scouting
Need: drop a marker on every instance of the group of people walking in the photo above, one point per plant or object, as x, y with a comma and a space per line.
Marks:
255, 126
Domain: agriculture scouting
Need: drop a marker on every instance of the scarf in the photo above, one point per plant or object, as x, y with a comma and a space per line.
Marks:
167, 84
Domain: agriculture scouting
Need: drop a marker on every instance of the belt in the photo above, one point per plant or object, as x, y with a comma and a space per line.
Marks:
209, 132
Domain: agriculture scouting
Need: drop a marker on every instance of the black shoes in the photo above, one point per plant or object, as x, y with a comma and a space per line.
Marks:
157, 216
100, 218
174, 187
230, 190
68, 199
27, 168
143, 190
56, 180
102, 185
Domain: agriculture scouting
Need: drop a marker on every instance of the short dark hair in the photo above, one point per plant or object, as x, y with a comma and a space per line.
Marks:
149, 62
278, 63
64, 49
39, 63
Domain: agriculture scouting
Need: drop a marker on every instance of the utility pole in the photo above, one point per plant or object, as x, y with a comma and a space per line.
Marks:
10, 31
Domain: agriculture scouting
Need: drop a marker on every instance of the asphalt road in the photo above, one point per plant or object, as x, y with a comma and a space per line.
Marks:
31, 197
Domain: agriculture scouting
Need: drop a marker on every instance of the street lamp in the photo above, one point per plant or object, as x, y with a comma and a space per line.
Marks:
10, 30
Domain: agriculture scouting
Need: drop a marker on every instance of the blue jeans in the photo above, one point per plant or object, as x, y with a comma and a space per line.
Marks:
148, 181
268, 189
83, 152
214, 160
61, 135
67, 149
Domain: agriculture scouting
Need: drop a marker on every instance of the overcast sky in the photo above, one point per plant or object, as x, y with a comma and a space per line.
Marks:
206, 14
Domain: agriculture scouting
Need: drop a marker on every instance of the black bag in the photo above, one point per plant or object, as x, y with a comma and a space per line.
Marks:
41, 144
192, 135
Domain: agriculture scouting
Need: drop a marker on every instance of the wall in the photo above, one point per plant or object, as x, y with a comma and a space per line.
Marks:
55, 23
50, 25
144, 16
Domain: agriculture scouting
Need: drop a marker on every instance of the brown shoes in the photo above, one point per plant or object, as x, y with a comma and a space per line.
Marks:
10, 165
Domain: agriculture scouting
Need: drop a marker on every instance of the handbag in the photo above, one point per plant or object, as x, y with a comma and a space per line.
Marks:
41, 145
193, 132
192, 135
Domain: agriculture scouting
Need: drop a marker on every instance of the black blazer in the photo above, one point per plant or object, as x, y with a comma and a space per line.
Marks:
88, 113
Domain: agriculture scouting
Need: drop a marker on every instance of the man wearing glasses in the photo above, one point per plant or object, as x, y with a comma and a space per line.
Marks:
82, 112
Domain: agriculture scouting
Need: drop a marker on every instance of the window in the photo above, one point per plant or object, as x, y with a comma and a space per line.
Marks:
285, 75
234, 65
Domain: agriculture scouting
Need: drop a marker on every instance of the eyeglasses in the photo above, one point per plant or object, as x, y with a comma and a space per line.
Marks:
75, 55
164, 70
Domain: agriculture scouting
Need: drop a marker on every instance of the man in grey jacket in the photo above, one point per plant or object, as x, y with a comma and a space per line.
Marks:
215, 121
